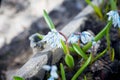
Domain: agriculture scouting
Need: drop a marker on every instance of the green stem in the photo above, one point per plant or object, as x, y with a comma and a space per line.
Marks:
98, 36
99, 55
108, 39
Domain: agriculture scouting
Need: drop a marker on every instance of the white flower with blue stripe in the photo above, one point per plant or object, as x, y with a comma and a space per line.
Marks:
86, 37
53, 38
53, 71
73, 38
114, 15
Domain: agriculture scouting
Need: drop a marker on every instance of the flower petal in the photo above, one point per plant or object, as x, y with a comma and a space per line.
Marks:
46, 67
53, 39
73, 38
115, 18
54, 74
86, 37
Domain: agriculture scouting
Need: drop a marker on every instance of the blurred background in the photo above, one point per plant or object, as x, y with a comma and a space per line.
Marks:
21, 18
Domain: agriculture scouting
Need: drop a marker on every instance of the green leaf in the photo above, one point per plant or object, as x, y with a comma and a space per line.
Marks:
77, 74
40, 36
103, 32
79, 51
71, 49
85, 78
96, 8
64, 47
69, 60
108, 39
18, 78
99, 55
98, 36
113, 5
98, 11
48, 20
62, 72
112, 54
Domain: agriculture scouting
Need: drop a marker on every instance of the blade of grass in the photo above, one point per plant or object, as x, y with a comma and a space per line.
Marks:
96, 8
99, 55
62, 72
108, 39
108, 44
113, 5
48, 20
88, 61
79, 51
85, 78
112, 54
18, 78
71, 49
64, 47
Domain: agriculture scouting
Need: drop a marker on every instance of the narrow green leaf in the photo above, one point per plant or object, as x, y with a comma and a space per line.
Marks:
98, 36
71, 49
85, 78
112, 54
62, 72
79, 51
88, 61
69, 60
96, 8
48, 20
113, 5
102, 33
108, 39
99, 55
98, 11
40, 36
18, 78
64, 47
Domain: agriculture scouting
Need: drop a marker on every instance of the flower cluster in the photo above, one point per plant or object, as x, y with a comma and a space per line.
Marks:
53, 38
85, 37
53, 71
115, 18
